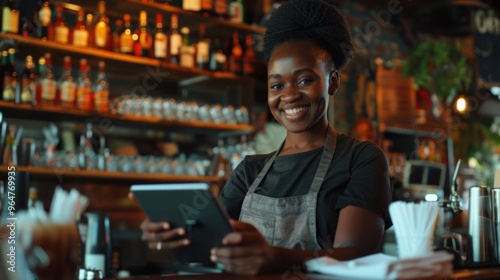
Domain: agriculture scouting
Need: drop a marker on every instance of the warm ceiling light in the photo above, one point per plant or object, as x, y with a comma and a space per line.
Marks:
461, 105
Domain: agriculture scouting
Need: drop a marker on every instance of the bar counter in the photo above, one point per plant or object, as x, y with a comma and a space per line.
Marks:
475, 273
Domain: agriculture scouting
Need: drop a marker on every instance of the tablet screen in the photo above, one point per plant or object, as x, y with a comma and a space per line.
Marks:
187, 205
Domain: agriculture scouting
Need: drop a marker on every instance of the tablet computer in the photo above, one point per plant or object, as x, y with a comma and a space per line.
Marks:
191, 206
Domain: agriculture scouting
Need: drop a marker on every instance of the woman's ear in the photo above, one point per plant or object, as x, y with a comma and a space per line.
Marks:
334, 82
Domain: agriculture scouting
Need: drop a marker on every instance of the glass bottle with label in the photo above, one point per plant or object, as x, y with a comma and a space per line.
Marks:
116, 34
236, 59
101, 27
126, 41
84, 88
202, 50
175, 41
89, 24
33, 198
67, 86
218, 58
221, 8
145, 38
160, 40
10, 17
207, 7
191, 5
249, 57
237, 11
61, 30
80, 32
43, 21
186, 50
47, 82
28, 81
10, 76
101, 89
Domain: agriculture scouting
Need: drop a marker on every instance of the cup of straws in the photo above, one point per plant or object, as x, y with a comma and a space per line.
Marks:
414, 225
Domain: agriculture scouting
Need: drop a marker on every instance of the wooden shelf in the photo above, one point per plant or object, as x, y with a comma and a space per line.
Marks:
436, 133
124, 65
29, 112
104, 176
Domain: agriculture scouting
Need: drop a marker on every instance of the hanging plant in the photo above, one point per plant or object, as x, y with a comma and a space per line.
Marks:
438, 66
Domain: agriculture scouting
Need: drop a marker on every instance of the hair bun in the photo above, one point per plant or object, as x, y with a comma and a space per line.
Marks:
314, 20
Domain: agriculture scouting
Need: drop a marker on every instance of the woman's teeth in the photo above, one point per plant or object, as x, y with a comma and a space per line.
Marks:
294, 111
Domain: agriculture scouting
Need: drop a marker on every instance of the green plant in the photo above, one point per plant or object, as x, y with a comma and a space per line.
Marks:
438, 66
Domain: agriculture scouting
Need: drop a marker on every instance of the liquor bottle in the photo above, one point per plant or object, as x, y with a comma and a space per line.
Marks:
46, 82
236, 58
145, 39
28, 81
191, 5
80, 31
186, 50
160, 40
116, 35
10, 76
10, 17
43, 21
101, 27
221, 8
175, 41
101, 89
249, 57
202, 50
207, 7
217, 57
33, 198
137, 49
67, 86
126, 41
84, 88
236, 11
61, 30
89, 25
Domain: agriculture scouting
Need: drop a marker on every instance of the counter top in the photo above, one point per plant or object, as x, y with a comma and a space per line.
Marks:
476, 273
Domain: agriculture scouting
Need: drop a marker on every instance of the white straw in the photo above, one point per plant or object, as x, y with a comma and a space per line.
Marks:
413, 225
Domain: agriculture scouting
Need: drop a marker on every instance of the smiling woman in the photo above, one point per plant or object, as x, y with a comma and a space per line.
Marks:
321, 191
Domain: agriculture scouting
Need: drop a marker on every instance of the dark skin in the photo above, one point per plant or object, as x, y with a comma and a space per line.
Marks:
301, 80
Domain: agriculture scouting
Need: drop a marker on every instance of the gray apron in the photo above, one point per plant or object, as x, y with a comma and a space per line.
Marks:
288, 222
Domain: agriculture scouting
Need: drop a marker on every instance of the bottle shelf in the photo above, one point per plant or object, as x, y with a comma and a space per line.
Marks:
105, 176
29, 112
216, 26
123, 65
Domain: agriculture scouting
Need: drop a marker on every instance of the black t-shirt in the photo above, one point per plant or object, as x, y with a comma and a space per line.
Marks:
358, 175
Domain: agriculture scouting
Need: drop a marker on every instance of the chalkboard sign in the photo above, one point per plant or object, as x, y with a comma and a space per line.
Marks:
486, 32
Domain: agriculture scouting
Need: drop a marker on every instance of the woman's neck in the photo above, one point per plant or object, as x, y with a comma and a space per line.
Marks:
304, 141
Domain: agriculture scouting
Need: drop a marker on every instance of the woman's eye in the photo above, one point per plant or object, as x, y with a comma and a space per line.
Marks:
306, 81
276, 87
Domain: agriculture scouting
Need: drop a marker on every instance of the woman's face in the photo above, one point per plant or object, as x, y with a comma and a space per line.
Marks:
301, 75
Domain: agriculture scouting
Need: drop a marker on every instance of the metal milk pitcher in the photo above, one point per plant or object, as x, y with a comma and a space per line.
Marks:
480, 241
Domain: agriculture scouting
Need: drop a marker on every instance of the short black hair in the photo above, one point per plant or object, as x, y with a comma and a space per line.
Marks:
310, 20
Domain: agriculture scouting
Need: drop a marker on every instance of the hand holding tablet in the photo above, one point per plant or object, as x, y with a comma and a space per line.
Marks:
182, 212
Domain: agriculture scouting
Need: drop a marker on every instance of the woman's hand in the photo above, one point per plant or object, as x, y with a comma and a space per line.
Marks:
160, 236
245, 251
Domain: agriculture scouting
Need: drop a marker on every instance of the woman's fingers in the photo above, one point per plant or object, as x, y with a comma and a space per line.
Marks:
170, 246
240, 238
149, 226
160, 236
234, 252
